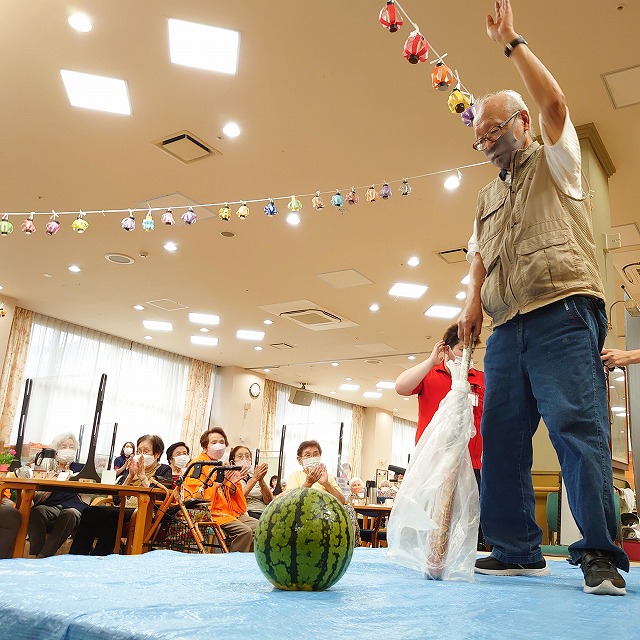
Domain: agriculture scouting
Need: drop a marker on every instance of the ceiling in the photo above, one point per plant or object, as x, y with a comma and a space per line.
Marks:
325, 101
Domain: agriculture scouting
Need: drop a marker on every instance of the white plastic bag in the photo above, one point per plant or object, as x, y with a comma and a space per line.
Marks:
433, 527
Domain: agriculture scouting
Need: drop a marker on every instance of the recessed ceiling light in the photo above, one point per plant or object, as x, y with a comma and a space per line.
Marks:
258, 348
80, 22
372, 394
335, 364
204, 330
333, 393
204, 340
231, 130
267, 370
74, 268
157, 325
47, 275
411, 357
203, 47
138, 307
148, 337
227, 234
461, 295
414, 261
267, 321
293, 218
244, 334
395, 409
348, 379
386, 384
171, 246
349, 387
204, 318
96, 92
466, 279
442, 311
404, 290
374, 307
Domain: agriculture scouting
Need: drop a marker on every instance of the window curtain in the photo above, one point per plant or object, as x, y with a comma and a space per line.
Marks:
145, 390
403, 440
357, 433
268, 423
13, 369
320, 421
197, 405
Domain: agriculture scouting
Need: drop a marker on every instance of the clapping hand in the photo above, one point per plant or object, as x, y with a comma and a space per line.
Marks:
261, 471
234, 476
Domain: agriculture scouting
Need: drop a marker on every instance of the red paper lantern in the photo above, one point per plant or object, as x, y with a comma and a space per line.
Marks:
416, 48
388, 17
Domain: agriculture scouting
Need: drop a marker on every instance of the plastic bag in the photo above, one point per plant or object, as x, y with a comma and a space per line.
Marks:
433, 527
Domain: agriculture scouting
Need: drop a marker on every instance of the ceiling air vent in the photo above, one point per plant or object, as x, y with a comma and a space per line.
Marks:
454, 255
282, 345
311, 318
186, 147
167, 305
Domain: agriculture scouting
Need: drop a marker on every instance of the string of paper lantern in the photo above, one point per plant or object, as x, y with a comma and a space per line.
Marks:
189, 217
416, 50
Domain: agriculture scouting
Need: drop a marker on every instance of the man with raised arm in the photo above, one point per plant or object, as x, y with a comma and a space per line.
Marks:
534, 272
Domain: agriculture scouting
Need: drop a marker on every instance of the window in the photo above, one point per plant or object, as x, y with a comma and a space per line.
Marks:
320, 421
403, 441
145, 390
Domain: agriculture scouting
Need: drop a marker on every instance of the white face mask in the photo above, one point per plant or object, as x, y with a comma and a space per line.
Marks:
66, 455
216, 451
127, 451
181, 461
310, 463
148, 460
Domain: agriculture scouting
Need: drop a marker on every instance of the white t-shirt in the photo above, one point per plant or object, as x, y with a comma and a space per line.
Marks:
564, 161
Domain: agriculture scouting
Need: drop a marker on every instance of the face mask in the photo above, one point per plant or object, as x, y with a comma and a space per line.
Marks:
66, 455
128, 451
309, 463
245, 464
502, 149
148, 460
216, 451
181, 461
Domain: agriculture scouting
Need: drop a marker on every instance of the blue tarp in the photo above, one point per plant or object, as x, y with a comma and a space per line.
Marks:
171, 595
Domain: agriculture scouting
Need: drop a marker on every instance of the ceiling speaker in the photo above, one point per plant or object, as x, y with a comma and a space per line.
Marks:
301, 396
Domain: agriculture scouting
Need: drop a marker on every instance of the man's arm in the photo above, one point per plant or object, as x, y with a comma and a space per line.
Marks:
537, 78
408, 380
617, 358
470, 320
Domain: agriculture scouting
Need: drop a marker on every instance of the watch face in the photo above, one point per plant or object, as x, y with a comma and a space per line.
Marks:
254, 390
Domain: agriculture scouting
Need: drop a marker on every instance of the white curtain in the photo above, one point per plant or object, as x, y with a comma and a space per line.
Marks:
403, 441
320, 421
145, 390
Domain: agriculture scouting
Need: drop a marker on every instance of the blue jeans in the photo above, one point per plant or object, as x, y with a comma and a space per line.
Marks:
546, 363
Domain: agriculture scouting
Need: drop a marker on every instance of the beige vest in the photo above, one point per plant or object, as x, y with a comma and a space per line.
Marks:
536, 243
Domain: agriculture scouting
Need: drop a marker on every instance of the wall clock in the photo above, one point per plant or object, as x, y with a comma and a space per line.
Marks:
254, 390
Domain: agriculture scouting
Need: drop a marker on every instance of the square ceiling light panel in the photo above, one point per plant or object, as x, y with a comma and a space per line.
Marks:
405, 290
204, 318
623, 86
442, 311
203, 47
96, 92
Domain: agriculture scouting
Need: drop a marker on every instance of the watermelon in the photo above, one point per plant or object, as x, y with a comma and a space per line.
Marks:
304, 541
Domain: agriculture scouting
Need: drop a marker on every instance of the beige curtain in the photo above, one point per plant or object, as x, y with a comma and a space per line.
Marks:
357, 433
13, 369
268, 424
195, 404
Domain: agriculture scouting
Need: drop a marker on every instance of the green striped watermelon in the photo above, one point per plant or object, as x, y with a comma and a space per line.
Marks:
304, 541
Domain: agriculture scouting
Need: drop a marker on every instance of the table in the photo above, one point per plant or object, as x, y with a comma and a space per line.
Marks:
27, 487
376, 511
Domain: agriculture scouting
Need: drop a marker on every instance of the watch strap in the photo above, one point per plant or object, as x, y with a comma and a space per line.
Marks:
513, 44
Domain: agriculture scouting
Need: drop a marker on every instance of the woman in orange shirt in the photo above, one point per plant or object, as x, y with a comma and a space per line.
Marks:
228, 505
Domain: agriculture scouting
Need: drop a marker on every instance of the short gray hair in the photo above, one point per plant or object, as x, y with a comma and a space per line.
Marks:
59, 439
513, 101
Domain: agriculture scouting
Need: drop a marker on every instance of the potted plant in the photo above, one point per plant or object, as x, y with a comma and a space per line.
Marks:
6, 458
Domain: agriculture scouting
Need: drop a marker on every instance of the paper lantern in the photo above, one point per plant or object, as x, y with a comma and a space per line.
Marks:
5, 226
80, 225
416, 48
270, 209
129, 223
389, 19
317, 202
441, 77
28, 225
404, 188
189, 216
352, 197
337, 200
372, 194
295, 204
53, 226
148, 224
243, 211
224, 213
167, 217
385, 191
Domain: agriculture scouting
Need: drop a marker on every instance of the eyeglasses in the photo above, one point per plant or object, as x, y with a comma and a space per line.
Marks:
493, 135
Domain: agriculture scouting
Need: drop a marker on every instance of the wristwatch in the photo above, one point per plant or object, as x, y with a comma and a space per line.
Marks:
513, 44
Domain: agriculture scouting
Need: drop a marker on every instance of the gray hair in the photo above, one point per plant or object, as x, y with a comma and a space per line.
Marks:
355, 480
511, 99
59, 439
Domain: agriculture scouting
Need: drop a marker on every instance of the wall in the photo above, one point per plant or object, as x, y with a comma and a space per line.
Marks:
376, 442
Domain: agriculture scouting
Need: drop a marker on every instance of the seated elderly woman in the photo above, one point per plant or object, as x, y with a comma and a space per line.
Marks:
178, 458
314, 475
254, 487
356, 487
101, 522
227, 502
56, 515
